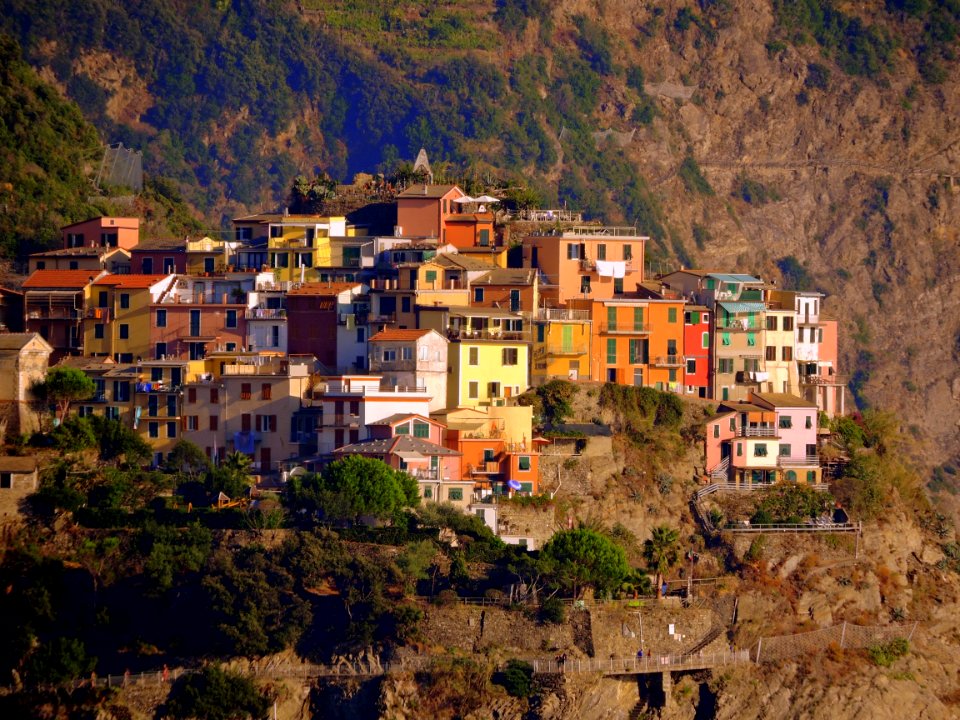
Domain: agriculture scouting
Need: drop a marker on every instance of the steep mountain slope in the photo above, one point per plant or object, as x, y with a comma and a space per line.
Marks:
813, 142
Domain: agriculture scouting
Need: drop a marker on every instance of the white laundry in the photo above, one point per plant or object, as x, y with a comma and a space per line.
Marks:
605, 268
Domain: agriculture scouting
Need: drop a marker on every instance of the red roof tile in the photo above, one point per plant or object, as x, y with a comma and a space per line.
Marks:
60, 278
393, 334
131, 281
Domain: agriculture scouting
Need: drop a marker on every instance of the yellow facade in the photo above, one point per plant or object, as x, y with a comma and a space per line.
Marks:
206, 255
779, 361
117, 317
300, 242
561, 345
486, 372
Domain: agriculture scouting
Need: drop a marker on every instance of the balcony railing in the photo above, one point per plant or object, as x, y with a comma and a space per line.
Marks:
382, 318
761, 431
546, 351
54, 313
808, 461
495, 334
563, 314
266, 314
823, 380
669, 361
630, 328
491, 467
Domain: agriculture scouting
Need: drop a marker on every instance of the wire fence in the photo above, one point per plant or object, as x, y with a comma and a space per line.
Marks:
636, 665
845, 636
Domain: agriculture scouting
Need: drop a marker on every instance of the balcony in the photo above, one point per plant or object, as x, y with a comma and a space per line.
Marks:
490, 467
736, 325
625, 329
99, 313
266, 314
382, 318
669, 361
430, 474
804, 462
97, 398
746, 377
757, 431
54, 313
560, 314
351, 421
823, 380
494, 334
562, 351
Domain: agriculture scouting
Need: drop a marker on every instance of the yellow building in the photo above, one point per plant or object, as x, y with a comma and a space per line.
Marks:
295, 245
486, 371
117, 315
207, 256
780, 373
561, 345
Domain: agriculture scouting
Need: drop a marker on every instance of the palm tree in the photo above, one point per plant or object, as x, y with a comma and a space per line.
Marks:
661, 552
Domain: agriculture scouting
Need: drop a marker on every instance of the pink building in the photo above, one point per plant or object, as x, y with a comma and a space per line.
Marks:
771, 437
118, 232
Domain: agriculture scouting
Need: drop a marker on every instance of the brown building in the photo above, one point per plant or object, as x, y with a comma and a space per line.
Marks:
422, 210
162, 256
513, 289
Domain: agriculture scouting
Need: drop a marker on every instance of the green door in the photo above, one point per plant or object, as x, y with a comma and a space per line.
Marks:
567, 338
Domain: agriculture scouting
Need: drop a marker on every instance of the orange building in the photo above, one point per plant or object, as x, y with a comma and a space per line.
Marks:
637, 342
467, 230
422, 210
513, 289
586, 262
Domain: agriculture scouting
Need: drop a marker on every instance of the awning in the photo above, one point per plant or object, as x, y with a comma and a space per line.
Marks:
743, 307
410, 455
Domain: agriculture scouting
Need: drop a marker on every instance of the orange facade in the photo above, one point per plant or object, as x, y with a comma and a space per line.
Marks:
637, 342
466, 230
595, 263
117, 232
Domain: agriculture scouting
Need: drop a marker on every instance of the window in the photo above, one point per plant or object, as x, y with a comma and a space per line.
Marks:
784, 450
585, 284
785, 422
153, 429
751, 365
705, 340
276, 231
455, 494
510, 356
161, 318
618, 286
751, 339
811, 476
125, 301
787, 353
246, 390
494, 389
192, 396
161, 351
102, 299
541, 333
788, 323
121, 391
402, 429
691, 366
6, 481
638, 319
478, 294
428, 493
421, 429
808, 422
820, 335
431, 276
406, 353
405, 304
193, 422
611, 318
171, 429
627, 252
389, 354
266, 391
473, 390
41, 265
214, 396
98, 331
739, 449
484, 238
523, 462
124, 331
716, 430
760, 450
573, 251
601, 252
671, 315
473, 355
790, 476
725, 339
611, 351
214, 422
231, 318
771, 353
725, 365
266, 423
771, 322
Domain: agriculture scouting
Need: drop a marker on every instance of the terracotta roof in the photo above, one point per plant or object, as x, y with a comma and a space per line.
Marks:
60, 278
784, 400
133, 282
427, 191
395, 335
11, 463
16, 341
151, 244
323, 288
460, 261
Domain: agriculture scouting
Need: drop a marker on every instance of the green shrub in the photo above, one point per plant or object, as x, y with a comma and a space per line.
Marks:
693, 178
884, 654
552, 610
215, 694
516, 678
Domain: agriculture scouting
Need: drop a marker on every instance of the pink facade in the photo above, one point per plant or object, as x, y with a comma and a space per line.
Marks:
150, 261
191, 330
118, 232
720, 429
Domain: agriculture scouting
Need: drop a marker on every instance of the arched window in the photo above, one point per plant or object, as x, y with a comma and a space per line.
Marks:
791, 476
